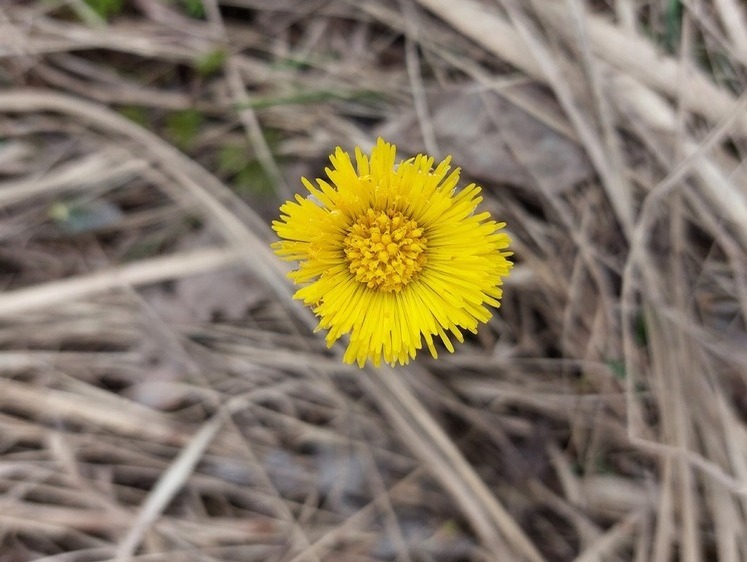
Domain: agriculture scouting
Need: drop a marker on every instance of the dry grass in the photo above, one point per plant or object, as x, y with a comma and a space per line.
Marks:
162, 398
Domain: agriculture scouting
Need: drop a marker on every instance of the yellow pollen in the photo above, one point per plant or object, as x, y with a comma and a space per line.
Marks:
385, 250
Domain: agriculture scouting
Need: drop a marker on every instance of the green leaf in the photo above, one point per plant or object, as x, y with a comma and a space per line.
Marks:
182, 127
307, 97
673, 25
210, 63
252, 180
194, 9
232, 158
135, 113
106, 8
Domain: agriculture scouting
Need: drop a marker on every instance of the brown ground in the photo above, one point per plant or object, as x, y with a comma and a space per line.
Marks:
163, 399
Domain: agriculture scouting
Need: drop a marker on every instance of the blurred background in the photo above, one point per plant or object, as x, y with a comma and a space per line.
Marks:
162, 398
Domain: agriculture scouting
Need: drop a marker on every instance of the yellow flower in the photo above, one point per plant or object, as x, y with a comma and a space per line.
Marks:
392, 254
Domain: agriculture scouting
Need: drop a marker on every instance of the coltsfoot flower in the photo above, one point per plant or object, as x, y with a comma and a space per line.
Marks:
392, 254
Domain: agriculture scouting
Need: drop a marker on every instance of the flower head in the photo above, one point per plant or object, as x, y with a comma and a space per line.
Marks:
392, 254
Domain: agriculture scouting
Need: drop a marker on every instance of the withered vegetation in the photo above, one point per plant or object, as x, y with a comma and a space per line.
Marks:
162, 397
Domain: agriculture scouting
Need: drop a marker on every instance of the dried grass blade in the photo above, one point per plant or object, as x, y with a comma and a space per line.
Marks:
140, 273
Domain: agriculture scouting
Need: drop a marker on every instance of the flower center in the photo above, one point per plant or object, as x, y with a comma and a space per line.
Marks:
385, 250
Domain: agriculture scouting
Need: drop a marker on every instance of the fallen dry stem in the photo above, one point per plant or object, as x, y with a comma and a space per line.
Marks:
163, 397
